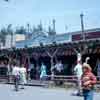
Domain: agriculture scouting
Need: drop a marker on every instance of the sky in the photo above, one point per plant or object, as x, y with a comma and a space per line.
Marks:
65, 12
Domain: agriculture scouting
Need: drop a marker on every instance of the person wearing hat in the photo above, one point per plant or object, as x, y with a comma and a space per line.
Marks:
88, 82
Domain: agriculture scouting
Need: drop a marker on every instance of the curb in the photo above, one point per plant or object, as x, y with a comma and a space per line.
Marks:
28, 84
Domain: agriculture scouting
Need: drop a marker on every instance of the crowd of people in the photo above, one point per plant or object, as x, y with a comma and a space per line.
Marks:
85, 78
35, 63
33, 58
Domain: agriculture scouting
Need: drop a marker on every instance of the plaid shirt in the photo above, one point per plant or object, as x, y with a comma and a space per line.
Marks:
90, 78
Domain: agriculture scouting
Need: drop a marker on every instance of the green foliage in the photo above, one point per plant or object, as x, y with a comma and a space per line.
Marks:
4, 32
21, 30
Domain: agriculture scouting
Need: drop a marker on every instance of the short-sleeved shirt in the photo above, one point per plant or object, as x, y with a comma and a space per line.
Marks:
78, 70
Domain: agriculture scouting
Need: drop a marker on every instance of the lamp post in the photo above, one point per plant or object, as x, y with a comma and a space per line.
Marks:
82, 26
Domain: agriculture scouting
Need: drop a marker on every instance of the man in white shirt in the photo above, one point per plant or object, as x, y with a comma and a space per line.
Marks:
59, 67
16, 75
15, 71
59, 71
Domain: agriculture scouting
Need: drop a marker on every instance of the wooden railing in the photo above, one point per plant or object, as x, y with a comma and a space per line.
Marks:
63, 78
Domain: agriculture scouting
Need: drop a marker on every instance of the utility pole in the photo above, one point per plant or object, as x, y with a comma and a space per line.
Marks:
82, 26
54, 26
28, 29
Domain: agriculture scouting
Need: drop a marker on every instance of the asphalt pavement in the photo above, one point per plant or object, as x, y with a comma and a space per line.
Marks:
7, 92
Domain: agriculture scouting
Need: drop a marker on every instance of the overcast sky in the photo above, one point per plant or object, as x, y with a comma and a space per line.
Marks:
65, 12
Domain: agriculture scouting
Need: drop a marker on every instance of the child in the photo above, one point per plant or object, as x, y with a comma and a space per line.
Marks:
88, 82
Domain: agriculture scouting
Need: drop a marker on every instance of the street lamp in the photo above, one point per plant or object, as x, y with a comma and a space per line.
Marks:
82, 26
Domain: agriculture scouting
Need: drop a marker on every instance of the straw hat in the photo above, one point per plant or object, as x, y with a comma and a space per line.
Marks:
85, 65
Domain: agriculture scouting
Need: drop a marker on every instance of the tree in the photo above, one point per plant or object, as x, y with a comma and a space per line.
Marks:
20, 30
3, 34
10, 32
40, 27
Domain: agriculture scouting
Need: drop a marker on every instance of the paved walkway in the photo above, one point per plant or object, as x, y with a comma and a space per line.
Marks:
38, 93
